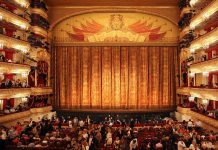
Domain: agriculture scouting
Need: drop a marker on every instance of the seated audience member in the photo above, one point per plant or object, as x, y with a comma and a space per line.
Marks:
181, 144
133, 144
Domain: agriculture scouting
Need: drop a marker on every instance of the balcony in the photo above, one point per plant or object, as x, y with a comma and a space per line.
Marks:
185, 10
25, 114
205, 14
208, 39
11, 42
184, 32
14, 93
14, 18
39, 11
41, 91
24, 92
205, 66
205, 119
40, 31
13, 68
204, 93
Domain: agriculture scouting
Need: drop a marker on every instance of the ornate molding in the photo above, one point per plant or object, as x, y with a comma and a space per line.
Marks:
115, 44
11, 42
14, 18
206, 13
40, 31
14, 68
40, 54
41, 91
205, 66
109, 10
210, 121
203, 93
183, 91
205, 40
14, 93
40, 12
25, 114
184, 32
24, 92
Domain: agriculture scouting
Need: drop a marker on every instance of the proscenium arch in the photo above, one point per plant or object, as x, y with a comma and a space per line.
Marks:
108, 11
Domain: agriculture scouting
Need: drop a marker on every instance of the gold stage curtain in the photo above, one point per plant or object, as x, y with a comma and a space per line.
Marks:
114, 77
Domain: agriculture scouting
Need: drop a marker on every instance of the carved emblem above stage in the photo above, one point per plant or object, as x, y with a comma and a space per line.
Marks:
115, 27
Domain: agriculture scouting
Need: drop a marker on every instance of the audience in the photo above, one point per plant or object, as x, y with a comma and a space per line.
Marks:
83, 134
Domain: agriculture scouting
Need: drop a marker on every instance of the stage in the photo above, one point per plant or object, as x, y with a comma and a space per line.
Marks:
100, 114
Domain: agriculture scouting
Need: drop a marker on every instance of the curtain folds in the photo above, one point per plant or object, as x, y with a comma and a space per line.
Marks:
113, 77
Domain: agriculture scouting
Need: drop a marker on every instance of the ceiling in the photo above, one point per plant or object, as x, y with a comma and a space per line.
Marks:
76, 3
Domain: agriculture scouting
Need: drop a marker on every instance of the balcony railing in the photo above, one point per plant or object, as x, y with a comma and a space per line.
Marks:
40, 31
206, 119
11, 42
25, 114
6, 67
206, 13
204, 66
24, 92
14, 18
205, 40
204, 93
39, 11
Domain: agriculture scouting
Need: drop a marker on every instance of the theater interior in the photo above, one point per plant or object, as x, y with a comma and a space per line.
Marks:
109, 75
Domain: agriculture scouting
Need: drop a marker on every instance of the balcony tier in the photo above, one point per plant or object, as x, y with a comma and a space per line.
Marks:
39, 11
205, 14
185, 10
40, 31
205, 66
204, 41
13, 68
14, 18
41, 91
184, 32
11, 42
204, 93
25, 114
14, 93
206, 120
24, 92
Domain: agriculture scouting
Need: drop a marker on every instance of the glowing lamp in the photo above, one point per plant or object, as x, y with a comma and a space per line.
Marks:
205, 101
191, 74
24, 75
205, 74
191, 98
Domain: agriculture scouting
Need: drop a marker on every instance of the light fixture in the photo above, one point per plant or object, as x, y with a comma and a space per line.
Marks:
205, 101
1, 45
24, 99
24, 75
205, 45
205, 74
1, 17
191, 98
193, 2
191, 74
